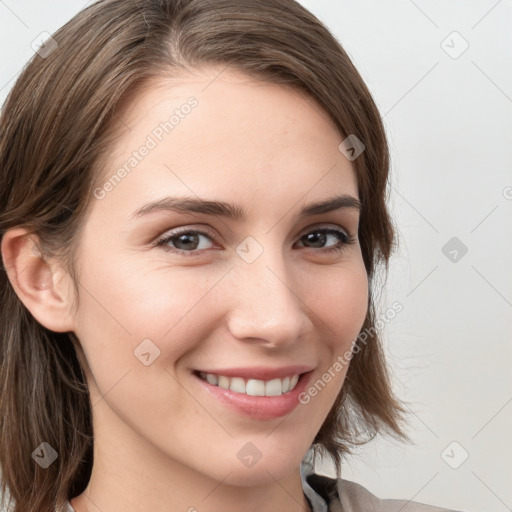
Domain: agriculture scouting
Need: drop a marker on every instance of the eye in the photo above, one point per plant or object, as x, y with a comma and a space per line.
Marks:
320, 236
187, 242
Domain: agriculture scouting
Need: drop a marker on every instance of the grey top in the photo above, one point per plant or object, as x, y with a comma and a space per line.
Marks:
338, 495
326, 494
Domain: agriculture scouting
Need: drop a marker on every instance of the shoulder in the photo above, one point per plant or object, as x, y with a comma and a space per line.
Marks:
347, 496
356, 497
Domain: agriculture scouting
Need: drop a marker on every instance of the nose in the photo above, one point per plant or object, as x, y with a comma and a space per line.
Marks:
266, 307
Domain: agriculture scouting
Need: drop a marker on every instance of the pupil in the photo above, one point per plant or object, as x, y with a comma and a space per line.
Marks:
315, 238
187, 238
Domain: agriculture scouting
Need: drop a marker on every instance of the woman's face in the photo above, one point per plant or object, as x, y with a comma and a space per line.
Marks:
243, 295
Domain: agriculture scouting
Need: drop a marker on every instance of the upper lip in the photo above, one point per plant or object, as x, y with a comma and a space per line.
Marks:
260, 372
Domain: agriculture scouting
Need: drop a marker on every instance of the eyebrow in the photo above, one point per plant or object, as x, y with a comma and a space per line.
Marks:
236, 212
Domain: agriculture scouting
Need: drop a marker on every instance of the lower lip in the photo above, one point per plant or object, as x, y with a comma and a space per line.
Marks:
258, 407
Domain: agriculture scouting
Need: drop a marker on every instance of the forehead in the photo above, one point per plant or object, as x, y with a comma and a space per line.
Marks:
218, 133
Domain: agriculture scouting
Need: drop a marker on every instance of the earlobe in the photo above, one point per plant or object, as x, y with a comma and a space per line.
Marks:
43, 286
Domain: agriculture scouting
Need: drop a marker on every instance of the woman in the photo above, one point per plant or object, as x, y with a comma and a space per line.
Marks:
193, 214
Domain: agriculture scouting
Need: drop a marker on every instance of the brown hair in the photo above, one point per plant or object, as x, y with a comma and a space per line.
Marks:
53, 137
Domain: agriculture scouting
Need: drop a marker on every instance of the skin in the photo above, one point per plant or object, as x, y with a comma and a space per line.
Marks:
161, 442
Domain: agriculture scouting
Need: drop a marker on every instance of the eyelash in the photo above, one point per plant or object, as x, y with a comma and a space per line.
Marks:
345, 240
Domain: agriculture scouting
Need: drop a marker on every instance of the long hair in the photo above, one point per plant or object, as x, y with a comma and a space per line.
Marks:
56, 129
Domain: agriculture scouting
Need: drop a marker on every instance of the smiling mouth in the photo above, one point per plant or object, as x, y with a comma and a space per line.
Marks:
252, 387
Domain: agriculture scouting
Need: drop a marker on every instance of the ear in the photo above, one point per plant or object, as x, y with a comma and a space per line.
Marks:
44, 287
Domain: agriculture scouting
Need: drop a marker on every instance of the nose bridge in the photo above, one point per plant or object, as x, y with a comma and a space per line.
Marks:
265, 304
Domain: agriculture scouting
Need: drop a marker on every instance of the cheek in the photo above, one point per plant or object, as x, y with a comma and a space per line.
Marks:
340, 301
341, 304
134, 326
123, 305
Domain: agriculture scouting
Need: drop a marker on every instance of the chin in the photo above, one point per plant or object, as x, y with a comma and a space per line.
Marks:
269, 468
255, 477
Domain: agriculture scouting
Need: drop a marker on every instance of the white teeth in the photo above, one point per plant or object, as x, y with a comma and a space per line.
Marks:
286, 384
274, 387
223, 382
212, 379
237, 385
253, 387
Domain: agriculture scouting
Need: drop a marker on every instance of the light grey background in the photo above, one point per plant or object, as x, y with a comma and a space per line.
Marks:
449, 120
